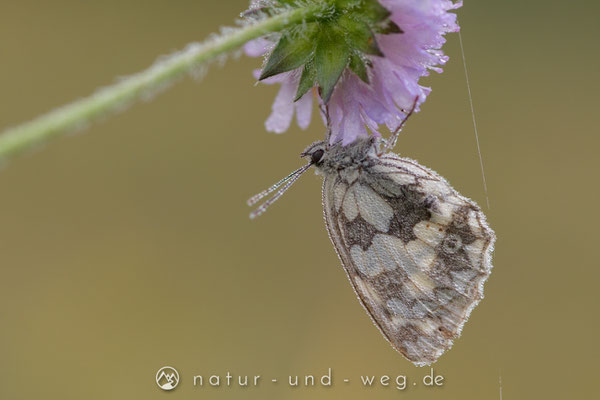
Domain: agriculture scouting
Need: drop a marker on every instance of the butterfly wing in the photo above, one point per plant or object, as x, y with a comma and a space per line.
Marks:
416, 252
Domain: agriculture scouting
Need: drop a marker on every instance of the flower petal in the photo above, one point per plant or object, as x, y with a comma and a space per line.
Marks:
357, 108
283, 107
304, 108
257, 47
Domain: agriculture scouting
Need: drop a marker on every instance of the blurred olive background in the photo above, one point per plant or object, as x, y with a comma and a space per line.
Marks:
128, 247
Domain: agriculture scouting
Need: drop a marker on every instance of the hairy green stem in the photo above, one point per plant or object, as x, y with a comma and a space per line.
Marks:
110, 99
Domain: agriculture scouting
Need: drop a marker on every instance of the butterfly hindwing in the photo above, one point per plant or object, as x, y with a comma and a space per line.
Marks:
415, 250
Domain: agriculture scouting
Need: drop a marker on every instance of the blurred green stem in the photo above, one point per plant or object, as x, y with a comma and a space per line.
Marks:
112, 98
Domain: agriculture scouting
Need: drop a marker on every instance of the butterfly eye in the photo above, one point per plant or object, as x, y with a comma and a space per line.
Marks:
317, 156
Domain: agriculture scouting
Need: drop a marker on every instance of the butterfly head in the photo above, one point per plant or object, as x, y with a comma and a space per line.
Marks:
326, 159
315, 153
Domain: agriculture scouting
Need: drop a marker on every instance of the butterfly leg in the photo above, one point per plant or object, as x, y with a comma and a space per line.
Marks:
391, 142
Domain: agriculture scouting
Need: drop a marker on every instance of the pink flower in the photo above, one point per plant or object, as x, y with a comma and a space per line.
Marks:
357, 107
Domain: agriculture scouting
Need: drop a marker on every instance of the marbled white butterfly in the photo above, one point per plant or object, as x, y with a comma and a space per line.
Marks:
417, 253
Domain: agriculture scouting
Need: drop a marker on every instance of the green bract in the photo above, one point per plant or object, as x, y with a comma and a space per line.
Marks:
341, 36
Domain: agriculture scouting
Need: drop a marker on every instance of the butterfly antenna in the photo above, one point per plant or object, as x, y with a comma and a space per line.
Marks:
256, 198
391, 142
288, 180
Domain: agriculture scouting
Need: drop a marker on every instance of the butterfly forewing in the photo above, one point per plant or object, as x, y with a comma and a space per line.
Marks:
416, 252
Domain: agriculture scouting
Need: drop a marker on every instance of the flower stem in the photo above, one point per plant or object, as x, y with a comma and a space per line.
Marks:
112, 98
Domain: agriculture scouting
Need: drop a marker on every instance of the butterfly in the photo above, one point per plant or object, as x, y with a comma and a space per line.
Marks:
416, 252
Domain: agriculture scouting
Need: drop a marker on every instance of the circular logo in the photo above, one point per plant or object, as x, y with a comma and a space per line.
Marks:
167, 378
